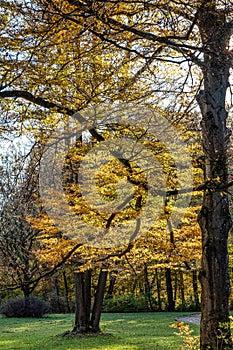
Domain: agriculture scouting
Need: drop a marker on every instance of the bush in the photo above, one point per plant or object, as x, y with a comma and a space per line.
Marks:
188, 306
59, 305
125, 303
21, 307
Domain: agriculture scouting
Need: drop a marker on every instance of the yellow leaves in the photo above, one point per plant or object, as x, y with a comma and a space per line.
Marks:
55, 250
177, 325
189, 342
43, 224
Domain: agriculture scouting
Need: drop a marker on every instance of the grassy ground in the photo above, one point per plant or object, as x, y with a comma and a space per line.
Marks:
149, 331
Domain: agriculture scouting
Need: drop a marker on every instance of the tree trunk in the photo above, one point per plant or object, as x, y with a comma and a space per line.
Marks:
85, 319
171, 303
82, 282
57, 294
87, 293
195, 289
148, 288
181, 287
66, 292
158, 285
112, 282
214, 218
26, 292
98, 301
175, 286
111, 286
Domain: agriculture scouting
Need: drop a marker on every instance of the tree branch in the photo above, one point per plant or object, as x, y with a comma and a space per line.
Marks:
38, 101
48, 273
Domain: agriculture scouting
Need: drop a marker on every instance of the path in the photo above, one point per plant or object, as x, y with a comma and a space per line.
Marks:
194, 319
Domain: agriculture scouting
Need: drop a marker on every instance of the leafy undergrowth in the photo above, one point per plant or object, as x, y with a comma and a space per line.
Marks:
137, 331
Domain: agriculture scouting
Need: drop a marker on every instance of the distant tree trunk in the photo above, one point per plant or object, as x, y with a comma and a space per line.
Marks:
158, 287
26, 288
181, 287
171, 303
66, 292
175, 286
148, 288
111, 286
26, 292
56, 286
214, 218
195, 289
135, 282
112, 282
57, 294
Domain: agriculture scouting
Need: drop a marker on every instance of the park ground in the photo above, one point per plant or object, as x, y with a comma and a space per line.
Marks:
133, 331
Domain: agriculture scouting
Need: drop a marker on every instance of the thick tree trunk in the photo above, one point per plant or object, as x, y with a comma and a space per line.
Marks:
82, 301
87, 320
214, 218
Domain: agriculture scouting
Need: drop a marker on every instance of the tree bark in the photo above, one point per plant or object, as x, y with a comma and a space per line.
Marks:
87, 320
112, 282
175, 286
82, 301
195, 289
26, 291
171, 303
181, 287
111, 286
158, 285
57, 294
148, 288
98, 301
27, 302
214, 218
66, 291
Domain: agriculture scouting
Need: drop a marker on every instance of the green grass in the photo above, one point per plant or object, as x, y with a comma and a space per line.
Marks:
139, 331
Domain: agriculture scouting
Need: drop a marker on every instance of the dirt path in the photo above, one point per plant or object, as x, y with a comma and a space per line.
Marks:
194, 319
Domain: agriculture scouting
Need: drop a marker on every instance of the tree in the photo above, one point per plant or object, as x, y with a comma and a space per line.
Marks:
199, 32
151, 34
18, 239
22, 266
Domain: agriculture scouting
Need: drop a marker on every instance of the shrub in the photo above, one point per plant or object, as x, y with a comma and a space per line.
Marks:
189, 305
185, 333
21, 307
125, 303
59, 305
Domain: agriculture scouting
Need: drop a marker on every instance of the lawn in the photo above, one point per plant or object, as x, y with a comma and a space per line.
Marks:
139, 331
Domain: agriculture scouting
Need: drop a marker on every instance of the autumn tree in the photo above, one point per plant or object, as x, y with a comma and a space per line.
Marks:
41, 70
150, 37
198, 33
